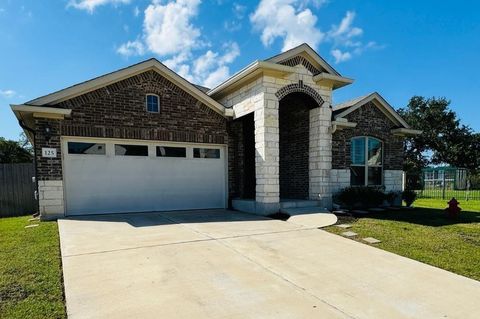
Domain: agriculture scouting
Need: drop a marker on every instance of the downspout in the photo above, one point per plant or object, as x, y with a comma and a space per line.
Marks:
334, 128
25, 127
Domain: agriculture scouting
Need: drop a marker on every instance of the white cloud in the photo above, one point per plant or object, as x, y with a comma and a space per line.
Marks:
234, 22
90, 5
168, 28
205, 62
288, 20
340, 56
211, 68
7, 93
293, 22
170, 33
136, 11
216, 77
346, 39
232, 25
131, 48
231, 53
345, 32
239, 10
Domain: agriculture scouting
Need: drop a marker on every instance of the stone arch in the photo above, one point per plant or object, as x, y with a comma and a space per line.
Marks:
302, 88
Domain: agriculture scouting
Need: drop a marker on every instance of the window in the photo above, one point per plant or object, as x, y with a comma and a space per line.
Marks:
153, 103
86, 148
131, 150
206, 153
167, 151
366, 167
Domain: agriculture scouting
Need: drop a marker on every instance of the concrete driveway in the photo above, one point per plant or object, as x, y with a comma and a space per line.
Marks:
222, 264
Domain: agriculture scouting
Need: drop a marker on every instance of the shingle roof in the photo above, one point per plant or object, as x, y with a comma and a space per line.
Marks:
202, 88
349, 106
349, 103
338, 108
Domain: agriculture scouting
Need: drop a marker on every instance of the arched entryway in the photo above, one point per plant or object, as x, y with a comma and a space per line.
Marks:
294, 127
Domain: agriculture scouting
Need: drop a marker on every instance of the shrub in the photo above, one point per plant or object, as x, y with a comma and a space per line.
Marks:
394, 198
409, 196
361, 197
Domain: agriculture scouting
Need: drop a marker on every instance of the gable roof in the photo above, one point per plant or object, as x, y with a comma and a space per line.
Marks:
307, 52
107, 79
275, 66
342, 106
343, 109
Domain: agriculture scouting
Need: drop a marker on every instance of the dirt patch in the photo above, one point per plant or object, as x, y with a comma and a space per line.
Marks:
13, 292
469, 238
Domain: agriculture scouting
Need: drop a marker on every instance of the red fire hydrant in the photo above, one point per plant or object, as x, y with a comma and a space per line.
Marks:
453, 210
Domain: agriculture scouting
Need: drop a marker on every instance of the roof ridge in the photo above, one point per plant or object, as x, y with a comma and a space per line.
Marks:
351, 102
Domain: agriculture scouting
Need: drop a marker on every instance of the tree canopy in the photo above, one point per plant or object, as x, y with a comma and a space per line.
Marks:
15, 151
444, 139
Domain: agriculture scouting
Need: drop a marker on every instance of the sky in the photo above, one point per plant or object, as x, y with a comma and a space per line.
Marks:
397, 48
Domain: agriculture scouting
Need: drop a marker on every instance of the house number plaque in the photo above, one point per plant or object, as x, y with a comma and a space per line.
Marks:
49, 152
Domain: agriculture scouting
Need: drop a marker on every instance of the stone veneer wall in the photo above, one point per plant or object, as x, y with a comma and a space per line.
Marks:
259, 96
340, 179
320, 155
50, 196
118, 111
394, 180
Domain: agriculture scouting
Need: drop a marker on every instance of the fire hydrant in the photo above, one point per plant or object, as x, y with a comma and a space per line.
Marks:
453, 210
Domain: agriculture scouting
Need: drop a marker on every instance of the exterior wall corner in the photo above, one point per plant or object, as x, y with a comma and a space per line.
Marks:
51, 199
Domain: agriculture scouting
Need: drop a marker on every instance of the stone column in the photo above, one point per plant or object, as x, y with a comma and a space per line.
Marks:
267, 157
320, 155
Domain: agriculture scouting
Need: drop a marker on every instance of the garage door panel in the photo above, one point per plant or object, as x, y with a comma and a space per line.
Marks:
108, 184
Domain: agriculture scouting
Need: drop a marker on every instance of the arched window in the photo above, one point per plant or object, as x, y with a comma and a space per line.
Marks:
367, 161
152, 102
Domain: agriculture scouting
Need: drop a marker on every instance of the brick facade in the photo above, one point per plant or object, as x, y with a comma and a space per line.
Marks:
294, 119
370, 122
235, 159
48, 168
118, 111
280, 143
241, 158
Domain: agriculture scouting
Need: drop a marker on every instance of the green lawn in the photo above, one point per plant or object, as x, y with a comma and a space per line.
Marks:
426, 234
30, 264
30, 270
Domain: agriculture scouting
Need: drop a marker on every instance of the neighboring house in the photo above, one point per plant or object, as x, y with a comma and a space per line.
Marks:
145, 139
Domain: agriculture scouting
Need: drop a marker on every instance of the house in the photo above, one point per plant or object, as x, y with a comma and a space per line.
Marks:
145, 139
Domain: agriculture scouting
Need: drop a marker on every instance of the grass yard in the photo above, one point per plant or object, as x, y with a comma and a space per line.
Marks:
30, 270
31, 275
426, 234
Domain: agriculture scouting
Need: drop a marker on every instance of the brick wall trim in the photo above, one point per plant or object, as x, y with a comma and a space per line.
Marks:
302, 88
300, 60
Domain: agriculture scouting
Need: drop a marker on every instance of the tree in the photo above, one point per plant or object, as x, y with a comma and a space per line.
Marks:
15, 151
25, 143
444, 139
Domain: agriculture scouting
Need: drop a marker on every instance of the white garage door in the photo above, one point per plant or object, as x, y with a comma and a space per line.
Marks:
115, 176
